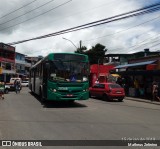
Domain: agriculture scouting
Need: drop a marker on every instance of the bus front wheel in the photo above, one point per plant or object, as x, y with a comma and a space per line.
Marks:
71, 101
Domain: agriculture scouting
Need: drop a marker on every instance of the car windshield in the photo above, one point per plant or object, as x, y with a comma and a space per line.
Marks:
69, 71
114, 86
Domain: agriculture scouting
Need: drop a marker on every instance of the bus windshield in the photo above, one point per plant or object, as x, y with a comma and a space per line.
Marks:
68, 71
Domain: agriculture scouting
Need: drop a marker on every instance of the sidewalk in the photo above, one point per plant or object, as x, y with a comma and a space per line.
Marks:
142, 100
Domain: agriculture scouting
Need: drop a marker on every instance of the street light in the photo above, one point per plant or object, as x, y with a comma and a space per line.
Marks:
70, 41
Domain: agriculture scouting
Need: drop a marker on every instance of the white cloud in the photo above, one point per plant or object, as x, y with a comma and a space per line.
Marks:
73, 14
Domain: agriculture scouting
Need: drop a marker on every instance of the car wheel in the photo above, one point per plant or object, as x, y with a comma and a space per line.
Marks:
89, 95
104, 97
6, 91
120, 99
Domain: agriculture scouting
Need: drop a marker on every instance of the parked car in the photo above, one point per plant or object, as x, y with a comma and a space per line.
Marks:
9, 87
12, 80
25, 83
107, 91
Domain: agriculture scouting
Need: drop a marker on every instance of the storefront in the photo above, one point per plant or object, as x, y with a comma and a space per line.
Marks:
99, 73
139, 77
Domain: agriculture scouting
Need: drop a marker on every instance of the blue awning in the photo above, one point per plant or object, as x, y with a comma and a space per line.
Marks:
134, 64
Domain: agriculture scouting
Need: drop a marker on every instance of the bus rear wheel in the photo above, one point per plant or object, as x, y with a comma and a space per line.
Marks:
41, 97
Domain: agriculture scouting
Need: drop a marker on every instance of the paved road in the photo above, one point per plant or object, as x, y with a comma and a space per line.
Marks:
23, 116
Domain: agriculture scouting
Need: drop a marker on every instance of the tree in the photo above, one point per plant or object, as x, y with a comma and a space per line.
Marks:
96, 53
81, 50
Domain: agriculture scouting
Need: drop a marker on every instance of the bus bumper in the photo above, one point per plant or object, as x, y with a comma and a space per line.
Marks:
56, 96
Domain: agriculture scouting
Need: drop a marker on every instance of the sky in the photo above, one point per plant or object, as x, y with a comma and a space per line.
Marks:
21, 19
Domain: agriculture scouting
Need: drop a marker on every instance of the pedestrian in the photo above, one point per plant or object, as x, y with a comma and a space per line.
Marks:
17, 86
136, 86
119, 81
2, 87
97, 81
155, 92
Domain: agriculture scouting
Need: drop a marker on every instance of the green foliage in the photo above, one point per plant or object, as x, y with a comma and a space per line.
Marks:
95, 54
81, 50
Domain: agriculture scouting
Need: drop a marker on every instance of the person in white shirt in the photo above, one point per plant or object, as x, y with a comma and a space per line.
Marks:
96, 81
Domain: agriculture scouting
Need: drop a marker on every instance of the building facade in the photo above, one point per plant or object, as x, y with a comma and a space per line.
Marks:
7, 62
14, 64
20, 65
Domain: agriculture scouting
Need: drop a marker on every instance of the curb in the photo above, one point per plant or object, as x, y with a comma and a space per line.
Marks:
142, 100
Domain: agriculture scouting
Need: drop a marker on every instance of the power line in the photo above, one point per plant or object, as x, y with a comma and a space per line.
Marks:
141, 45
37, 15
47, 3
126, 30
155, 45
149, 42
84, 11
144, 10
153, 5
138, 45
122, 30
150, 46
83, 27
27, 12
17, 9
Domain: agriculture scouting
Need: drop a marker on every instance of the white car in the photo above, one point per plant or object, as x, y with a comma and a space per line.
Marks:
12, 80
25, 83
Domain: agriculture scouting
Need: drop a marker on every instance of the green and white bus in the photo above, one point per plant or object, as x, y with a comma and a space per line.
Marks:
61, 76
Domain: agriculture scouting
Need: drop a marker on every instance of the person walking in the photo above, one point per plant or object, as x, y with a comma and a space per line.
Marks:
155, 92
136, 86
17, 86
97, 81
119, 81
2, 87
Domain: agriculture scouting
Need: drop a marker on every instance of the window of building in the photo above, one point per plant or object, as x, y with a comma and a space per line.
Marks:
8, 66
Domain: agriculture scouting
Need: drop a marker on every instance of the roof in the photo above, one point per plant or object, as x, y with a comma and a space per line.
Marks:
134, 64
109, 55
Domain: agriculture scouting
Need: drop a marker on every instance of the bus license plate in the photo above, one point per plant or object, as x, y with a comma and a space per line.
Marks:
69, 95
63, 88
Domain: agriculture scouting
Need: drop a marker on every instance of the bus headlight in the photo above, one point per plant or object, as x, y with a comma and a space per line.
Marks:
53, 90
85, 79
85, 90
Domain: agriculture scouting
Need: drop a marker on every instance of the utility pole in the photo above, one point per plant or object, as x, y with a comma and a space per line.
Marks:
80, 45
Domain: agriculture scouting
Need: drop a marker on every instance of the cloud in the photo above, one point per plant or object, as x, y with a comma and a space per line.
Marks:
73, 14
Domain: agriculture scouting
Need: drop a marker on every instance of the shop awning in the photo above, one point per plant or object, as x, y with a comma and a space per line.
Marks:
134, 64
115, 75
